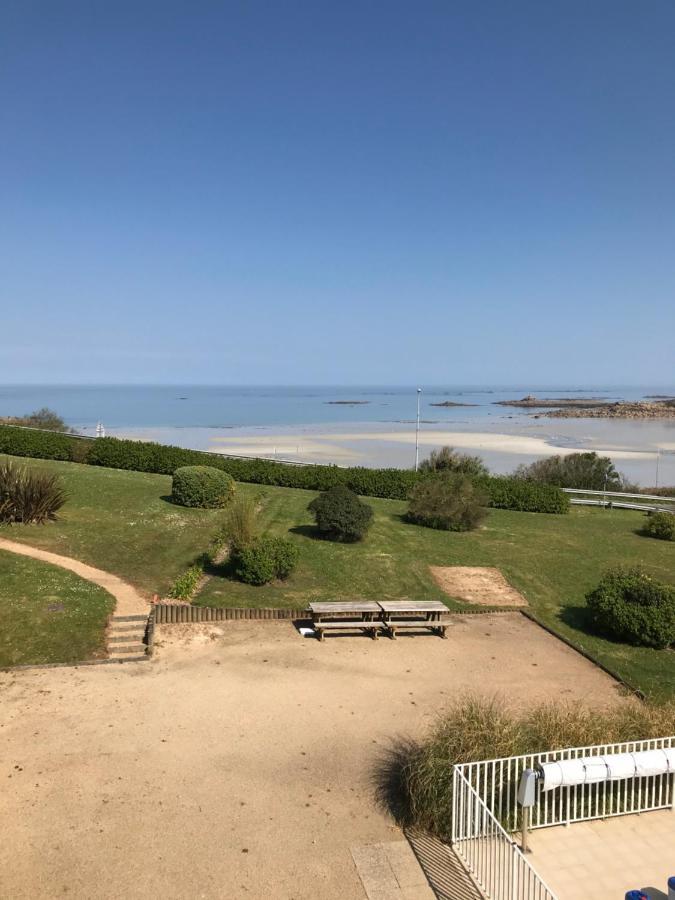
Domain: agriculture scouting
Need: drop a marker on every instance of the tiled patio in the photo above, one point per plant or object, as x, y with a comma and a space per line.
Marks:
605, 858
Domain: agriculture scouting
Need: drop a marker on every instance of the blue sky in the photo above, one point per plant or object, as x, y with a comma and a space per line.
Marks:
469, 192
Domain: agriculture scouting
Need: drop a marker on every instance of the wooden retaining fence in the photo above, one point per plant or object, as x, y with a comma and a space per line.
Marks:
175, 613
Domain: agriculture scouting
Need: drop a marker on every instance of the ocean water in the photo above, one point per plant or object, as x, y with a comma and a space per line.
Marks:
180, 406
363, 425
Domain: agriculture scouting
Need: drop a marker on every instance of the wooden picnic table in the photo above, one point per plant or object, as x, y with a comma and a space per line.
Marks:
346, 615
398, 614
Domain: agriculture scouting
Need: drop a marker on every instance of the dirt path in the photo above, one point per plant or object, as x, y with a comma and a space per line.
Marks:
127, 599
238, 764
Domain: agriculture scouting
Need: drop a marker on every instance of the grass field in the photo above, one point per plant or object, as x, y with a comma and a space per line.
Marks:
48, 614
122, 522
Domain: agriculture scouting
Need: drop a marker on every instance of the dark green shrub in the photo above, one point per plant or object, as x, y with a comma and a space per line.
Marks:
448, 502
144, 456
201, 486
524, 496
586, 471
630, 606
38, 444
340, 515
265, 559
28, 496
447, 459
660, 525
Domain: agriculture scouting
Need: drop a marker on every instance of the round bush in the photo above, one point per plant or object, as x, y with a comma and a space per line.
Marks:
201, 486
660, 525
265, 559
630, 606
340, 515
448, 502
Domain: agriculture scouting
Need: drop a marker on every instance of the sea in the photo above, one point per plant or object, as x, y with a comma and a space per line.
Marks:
362, 424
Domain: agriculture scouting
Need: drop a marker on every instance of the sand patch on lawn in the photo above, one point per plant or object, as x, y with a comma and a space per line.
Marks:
484, 585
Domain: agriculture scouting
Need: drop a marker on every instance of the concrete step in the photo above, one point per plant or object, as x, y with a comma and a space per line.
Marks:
126, 659
129, 619
136, 638
126, 627
127, 648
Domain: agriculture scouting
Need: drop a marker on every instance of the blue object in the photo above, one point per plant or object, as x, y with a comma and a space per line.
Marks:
636, 895
671, 881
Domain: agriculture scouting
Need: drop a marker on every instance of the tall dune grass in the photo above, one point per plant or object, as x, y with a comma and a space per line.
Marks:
414, 780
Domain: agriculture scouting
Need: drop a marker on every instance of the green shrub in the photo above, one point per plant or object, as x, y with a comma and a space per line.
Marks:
448, 502
660, 525
42, 418
201, 486
340, 515
630, 606
586, 471
241, 526
28, 496
447, 459
265, 559
38, 444
524, 496
420, 775
145, 456
186, 584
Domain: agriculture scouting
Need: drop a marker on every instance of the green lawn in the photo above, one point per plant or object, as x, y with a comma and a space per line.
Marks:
48, 614
122, 522
552, 560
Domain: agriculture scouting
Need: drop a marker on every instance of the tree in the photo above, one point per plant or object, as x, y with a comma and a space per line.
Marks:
586, 471
447, 459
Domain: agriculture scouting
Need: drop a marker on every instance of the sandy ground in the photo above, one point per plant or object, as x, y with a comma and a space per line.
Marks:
237, 763
484, 585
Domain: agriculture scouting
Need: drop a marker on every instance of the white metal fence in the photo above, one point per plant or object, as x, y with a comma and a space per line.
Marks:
496, 783
491, 856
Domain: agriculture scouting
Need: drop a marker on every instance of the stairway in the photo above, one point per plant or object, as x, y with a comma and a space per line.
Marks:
126, 638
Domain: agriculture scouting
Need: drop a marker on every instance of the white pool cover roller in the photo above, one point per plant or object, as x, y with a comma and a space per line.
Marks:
620, 766
650, 762
563, 773
613, 767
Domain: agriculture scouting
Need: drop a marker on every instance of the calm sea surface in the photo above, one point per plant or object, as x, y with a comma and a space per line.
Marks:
232, 407
362, 425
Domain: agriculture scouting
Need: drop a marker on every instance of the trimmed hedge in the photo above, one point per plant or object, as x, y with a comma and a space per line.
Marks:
145, 456
204, 487
265, 559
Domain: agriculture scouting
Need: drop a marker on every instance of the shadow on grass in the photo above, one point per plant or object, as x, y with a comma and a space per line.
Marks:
308, 531
578, 618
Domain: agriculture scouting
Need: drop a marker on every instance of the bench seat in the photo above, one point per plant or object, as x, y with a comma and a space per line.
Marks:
349, 625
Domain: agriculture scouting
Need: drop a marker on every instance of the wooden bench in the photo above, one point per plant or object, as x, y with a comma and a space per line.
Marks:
360, 615
413, 614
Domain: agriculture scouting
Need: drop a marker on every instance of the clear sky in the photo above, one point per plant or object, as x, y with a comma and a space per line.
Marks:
337, 192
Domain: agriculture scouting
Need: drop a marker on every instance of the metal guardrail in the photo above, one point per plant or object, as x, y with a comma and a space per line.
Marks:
585, 498
496, 782
492, 858
621, 494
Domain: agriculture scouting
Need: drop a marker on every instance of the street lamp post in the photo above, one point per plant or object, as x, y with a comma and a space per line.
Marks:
417, 431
